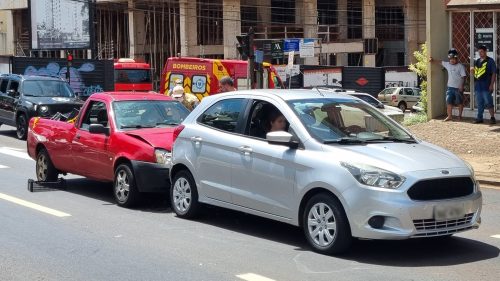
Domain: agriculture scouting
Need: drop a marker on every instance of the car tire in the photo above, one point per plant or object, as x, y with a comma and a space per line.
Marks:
124, 186
45, 170
21, 127
325, 225
402, 106
184, 195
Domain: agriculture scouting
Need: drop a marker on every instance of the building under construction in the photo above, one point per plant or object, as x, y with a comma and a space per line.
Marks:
154, 30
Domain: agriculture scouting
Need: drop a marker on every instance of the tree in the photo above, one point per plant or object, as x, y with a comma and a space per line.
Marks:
420, 68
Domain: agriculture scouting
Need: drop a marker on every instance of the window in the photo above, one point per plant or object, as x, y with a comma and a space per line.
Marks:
368, 99
408, 92
96, 114
131, 76
14, 85
265, 118
198, 84
47, 88
136, 114
3, 85
223, 115
173, 78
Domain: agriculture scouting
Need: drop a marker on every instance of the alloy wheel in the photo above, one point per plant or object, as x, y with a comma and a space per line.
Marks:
41, 167
322, 224
122, 186
182, 195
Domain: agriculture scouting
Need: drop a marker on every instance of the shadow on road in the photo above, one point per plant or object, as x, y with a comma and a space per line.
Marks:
8, 133
150, 202
422, 252
406, 253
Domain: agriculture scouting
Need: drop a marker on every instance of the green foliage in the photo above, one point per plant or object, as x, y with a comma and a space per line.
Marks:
415, 119
420, 68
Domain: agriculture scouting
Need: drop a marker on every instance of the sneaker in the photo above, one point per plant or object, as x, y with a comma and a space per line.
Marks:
493, 121
478, 121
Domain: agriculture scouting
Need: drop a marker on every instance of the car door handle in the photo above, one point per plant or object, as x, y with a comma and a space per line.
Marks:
196, 139
245, 150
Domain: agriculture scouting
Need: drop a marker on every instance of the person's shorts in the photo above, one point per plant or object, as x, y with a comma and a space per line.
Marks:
453, 96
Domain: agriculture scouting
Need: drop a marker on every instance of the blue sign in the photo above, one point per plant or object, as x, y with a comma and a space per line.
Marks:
291, 45
259, 56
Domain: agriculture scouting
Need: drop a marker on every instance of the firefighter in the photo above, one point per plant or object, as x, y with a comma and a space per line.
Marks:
189, 100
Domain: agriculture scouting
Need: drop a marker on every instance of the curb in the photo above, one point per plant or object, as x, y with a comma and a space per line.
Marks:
489, 182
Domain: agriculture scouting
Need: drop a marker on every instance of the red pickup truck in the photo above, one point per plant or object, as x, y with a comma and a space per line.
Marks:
122, 137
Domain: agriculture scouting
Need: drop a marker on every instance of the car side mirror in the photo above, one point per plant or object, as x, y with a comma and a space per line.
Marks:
98, 129
282, 138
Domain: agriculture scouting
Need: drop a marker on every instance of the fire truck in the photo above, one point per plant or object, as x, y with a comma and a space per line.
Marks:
131, 75
201, 76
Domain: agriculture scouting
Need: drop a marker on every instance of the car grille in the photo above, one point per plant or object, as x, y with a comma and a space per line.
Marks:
444, 188
431, 227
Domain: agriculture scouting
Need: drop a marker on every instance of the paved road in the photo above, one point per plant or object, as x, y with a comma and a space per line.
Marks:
85, 236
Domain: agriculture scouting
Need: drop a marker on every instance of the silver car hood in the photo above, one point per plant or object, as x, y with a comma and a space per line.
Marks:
398, 157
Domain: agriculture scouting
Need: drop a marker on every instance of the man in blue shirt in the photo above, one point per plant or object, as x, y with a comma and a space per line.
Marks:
484, 71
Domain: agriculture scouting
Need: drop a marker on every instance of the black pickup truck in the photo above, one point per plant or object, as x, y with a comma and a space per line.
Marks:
24, 97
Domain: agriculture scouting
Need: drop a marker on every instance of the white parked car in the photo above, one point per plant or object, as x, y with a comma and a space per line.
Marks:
326, 162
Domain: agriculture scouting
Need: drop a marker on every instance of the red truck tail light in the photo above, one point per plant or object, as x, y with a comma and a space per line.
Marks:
177, 131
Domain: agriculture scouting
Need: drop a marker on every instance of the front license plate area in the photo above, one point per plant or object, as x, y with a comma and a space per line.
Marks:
443, 213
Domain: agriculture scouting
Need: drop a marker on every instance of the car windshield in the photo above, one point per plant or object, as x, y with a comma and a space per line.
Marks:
369, 99
340, 120
148, 114
132, 76
47, 88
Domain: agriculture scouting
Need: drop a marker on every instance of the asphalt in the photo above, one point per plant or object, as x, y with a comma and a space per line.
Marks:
101, 241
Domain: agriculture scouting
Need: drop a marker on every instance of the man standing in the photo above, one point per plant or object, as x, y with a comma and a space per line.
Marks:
456, 79
484, 71
226, 84
190, 101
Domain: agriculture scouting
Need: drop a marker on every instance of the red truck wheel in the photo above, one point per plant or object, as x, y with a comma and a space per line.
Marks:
45, 170
124, 188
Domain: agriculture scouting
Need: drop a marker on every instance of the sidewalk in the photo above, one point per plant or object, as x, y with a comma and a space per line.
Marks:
478, 144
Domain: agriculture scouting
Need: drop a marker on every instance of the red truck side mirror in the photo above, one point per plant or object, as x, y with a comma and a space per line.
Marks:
98, 129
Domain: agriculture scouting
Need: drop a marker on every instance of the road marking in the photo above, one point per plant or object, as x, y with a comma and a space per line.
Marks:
15, 153
33, 206
3, 167
496, 236
253, 277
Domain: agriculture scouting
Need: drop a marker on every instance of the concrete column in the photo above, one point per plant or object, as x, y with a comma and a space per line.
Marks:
437, 47
7, 45
369, 27
139, 35
342, 58
232, 27
411, 29
131, 33
309, 9
263, 12
188, 27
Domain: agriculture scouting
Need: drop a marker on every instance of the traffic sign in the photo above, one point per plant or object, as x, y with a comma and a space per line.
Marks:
277, 49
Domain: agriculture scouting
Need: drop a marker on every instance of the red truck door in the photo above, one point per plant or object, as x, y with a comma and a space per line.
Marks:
91, 153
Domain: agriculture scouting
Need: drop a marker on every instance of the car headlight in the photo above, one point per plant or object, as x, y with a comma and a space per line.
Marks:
163, 156
43, 109
373, 176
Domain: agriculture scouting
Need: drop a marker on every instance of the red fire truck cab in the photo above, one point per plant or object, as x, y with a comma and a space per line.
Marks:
131, 75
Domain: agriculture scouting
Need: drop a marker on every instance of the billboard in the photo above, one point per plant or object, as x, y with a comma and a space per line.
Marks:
60, 24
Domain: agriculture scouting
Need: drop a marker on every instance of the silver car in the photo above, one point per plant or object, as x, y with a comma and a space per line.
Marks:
327, 162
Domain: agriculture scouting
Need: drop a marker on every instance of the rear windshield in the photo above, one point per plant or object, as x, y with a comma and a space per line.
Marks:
132, 76
47, 88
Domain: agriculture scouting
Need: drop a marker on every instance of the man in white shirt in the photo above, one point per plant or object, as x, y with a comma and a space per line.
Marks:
456, 79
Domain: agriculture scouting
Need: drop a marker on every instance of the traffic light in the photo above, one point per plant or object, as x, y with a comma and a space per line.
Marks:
69, 58
244, 46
